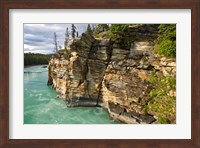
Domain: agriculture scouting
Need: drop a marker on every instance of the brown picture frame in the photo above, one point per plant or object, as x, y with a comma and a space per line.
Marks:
5, 5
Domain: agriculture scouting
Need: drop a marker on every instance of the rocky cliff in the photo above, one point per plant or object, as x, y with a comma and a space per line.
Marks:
96, 72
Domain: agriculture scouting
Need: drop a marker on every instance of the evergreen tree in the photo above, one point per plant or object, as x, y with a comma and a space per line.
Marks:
73, 31
89, 30
66, 37
93, 27
101, 28
55, 42
60, 47
120, 34
77, 34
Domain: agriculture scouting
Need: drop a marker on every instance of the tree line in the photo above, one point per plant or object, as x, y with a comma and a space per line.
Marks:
36, 59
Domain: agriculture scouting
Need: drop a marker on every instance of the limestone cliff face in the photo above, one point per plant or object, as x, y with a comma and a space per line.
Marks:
97, 73
79, 77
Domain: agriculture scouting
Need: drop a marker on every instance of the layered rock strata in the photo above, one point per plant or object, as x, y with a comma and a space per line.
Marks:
78, 78
97, 73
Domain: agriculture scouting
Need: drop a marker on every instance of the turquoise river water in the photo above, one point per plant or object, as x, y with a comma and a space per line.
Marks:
41, 106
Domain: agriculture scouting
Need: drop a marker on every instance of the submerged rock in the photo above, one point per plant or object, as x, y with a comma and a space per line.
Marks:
44, 66
80, 102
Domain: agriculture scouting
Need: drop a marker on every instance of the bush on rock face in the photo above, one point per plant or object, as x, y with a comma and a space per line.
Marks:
166, 42
120, 34
101, 28
163, 98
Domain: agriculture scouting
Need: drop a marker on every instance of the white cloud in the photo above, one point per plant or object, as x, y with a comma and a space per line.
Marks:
38, 38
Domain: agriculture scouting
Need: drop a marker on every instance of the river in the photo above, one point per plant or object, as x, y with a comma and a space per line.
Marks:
41, 106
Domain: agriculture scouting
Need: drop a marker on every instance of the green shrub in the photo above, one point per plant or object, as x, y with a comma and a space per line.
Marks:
120, 34
167, 48
166, 42
101, 28
162, 104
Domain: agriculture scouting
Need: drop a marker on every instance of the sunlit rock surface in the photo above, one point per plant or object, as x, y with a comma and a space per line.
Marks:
97, 73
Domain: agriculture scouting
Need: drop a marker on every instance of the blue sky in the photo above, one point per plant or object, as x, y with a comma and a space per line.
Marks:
38, 38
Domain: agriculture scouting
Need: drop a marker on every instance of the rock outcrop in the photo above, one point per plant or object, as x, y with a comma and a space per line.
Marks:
97, 73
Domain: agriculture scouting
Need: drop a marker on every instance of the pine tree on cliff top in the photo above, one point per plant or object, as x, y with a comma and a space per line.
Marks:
73, 31
77, 34
55, 42
66, 37
89, 30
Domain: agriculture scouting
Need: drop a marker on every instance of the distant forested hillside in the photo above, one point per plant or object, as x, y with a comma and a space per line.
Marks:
36, 59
